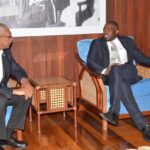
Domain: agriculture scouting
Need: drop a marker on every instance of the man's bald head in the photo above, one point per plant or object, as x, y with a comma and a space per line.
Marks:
3, 27
5, 36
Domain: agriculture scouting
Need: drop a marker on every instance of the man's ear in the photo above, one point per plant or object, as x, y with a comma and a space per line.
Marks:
117, 32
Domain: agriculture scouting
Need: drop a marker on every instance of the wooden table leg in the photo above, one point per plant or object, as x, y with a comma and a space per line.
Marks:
30, 113
75, 104
39, 123
19, 135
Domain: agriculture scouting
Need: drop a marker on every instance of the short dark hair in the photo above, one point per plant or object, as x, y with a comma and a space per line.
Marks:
114, 23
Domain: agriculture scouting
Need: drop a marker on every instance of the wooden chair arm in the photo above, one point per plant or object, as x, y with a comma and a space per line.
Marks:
143, 71
84, 65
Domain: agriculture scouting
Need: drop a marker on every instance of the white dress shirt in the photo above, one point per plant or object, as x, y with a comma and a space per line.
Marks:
121, 50
1, 66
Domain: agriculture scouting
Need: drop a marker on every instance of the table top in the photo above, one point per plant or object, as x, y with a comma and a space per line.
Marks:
50, 81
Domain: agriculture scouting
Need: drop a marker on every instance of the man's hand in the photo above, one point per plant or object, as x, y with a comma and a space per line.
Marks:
109, 68
20, 91
26, 88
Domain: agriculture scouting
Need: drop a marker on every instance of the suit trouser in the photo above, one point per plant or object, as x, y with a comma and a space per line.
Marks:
18, 114
120, 80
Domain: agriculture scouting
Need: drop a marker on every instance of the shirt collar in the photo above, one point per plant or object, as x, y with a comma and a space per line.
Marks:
1, 51
114, 40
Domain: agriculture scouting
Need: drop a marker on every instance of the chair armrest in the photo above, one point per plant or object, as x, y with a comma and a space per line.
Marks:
84, 65
143, 71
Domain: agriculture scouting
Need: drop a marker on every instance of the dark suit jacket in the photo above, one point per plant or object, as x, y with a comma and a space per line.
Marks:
10, 68
98, 56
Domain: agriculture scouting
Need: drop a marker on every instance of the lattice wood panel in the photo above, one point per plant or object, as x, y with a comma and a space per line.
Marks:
57, 98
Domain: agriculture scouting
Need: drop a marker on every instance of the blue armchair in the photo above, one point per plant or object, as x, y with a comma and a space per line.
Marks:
95, 94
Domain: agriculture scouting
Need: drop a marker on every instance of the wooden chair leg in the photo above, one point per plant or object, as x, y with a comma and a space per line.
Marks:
19, 135
30, 113
39, 123
64, 115
81, 107
75, 118
104, 125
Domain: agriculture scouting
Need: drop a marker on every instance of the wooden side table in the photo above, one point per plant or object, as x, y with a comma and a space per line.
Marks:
54, 94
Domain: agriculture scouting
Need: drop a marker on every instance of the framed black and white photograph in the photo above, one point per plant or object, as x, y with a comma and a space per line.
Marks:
53, 17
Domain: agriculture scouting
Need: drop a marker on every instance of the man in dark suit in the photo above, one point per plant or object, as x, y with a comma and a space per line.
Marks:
113, 56
19, 98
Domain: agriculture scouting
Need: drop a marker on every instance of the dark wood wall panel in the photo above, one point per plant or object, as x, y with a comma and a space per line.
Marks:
133, 17
48, 56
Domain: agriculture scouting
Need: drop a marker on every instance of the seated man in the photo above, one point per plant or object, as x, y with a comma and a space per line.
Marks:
113, 56
19, 98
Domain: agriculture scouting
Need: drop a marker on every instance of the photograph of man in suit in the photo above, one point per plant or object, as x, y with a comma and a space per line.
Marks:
19, 98
113, 56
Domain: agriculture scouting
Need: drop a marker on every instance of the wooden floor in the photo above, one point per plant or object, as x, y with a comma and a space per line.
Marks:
58, 133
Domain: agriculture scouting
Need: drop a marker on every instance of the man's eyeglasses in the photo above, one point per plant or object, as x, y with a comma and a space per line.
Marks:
7, 36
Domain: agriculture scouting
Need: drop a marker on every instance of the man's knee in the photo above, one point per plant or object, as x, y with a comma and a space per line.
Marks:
29, 100
20, 99
115, 69
25, 101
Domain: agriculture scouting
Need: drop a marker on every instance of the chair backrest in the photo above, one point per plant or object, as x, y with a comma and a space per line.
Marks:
83, 47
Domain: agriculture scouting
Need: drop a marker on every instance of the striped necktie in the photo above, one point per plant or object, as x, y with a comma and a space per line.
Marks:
115, 58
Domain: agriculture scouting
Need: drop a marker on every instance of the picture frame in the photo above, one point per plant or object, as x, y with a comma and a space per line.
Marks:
64, 30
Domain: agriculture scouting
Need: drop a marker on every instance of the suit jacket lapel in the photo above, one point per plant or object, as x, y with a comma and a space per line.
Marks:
106, 51
125, 45
5, 65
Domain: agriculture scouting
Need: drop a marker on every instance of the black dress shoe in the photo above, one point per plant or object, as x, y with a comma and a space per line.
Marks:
110, 117
3, 142
146, 133
1, 148
15, 143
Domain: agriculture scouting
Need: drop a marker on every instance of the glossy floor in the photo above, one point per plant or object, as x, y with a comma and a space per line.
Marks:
58, 133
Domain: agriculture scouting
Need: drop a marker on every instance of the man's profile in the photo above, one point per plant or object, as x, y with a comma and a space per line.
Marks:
19, 98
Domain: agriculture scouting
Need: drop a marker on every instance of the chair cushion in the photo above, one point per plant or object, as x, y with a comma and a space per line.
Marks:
8, 113
141, 92
83, 48
141, 88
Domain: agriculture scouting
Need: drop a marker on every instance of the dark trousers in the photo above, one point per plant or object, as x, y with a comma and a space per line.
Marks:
18, 114
120, 80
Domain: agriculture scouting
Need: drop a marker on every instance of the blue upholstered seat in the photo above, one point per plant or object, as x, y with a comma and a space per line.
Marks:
141, 90
8, 113
11, 83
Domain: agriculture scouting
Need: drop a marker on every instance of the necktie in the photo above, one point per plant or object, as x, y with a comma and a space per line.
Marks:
1, 66
115, 58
